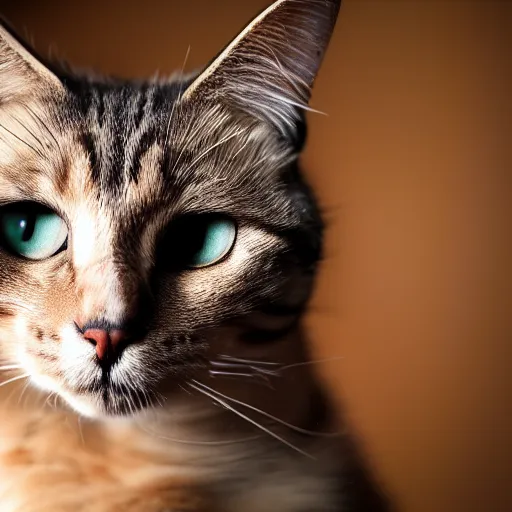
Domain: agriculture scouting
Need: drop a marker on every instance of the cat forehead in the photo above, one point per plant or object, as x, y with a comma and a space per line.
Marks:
120, 125
127, 145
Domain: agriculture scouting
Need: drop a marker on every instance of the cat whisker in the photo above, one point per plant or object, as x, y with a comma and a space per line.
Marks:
212, 394
253, 364
19, 377
32, 134
11, 394
80, 430
48, 398
232, 369
167, 130
177, 101
266, 414
142, 398
248, 361
157, 397
185, 390
129, 401
51, 394
215, 373
233, 362
35, 150
307, 363
46, 128
264, 371
10, 367
193, 131
197, 443
213, 146
173, 108
160, 399
261, 379
182, 70
132, 402
239, 366
14, 304
23, 391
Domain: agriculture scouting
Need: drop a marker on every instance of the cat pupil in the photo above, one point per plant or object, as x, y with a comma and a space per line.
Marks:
195, 241
27, 226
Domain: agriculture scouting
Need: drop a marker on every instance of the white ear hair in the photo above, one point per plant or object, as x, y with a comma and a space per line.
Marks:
269, 68
21, 73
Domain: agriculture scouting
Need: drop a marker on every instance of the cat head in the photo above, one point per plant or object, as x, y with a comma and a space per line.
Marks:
148, 227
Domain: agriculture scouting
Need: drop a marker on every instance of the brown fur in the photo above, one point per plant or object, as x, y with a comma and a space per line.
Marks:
211, 405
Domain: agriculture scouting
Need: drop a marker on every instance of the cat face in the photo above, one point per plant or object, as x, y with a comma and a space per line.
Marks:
148, 227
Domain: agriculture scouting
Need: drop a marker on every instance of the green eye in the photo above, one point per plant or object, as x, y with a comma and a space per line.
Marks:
197, 241
215, 241
32, 230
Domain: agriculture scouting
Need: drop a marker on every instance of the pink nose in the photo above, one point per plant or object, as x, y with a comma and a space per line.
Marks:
106, 342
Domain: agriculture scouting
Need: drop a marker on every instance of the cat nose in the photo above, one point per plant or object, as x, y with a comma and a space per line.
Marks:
107, 342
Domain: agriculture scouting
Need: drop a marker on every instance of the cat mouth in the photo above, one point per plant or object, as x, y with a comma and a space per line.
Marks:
130, 384
112, 398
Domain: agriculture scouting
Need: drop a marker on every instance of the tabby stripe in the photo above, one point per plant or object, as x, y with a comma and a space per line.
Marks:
88, 143
99, 109
145, 142
141, 102
6, 311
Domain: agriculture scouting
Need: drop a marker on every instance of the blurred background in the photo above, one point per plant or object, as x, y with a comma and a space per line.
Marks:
413, 165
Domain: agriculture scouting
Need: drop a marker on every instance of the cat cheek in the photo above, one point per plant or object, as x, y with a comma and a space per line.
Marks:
209, 283
40, 352
52, 359
11, 327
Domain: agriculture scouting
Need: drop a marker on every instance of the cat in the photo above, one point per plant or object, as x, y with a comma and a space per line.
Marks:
158, 248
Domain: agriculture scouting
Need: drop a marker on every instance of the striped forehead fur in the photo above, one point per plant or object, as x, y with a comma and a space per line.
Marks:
203, 352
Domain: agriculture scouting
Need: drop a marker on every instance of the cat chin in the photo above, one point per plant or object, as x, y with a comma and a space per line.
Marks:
82, 406
88, 406
93, 408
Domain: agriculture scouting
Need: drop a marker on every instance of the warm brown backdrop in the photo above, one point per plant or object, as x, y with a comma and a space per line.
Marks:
414, 166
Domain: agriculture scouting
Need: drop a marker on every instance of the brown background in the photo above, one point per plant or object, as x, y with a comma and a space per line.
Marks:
413, 165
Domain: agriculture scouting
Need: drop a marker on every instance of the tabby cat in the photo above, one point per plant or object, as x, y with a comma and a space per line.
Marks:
158, 246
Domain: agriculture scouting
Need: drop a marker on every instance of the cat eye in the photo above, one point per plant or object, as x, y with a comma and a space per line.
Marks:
196, 241
32, 230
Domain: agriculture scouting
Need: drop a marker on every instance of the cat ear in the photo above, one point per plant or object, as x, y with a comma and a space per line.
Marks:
269, 68
21, 72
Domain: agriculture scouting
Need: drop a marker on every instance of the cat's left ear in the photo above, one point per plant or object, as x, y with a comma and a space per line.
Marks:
22, 74
268, 70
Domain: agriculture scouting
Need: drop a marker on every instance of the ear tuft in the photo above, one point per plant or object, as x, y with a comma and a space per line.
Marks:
269, 68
